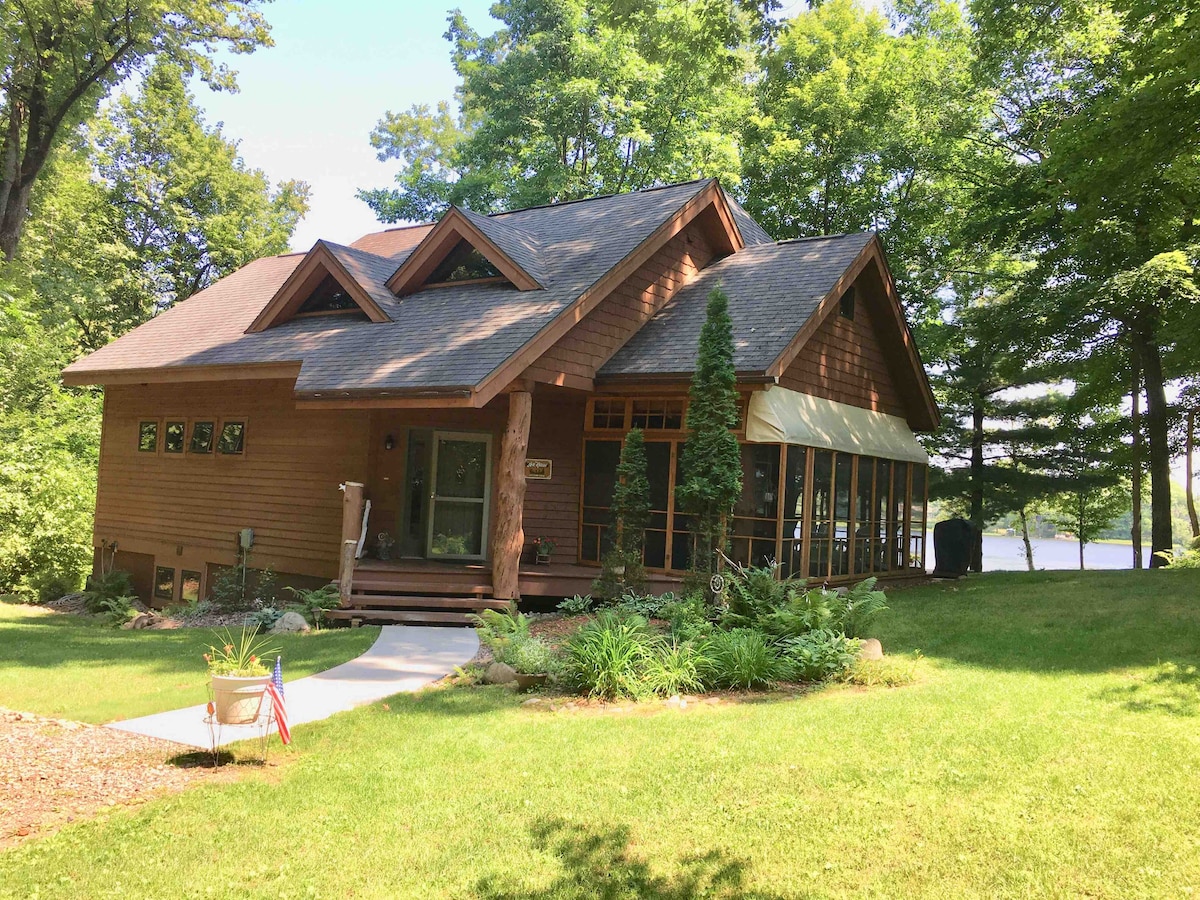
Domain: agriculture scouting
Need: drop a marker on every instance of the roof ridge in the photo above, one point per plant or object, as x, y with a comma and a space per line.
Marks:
657, 187
825, 237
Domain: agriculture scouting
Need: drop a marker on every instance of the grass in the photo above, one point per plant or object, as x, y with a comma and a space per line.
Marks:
1048, 748
79, 668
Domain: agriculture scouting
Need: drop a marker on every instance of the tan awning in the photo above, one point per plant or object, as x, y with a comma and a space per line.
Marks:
780, 416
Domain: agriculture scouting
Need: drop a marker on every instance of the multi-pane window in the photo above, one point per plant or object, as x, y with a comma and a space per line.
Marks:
608, 414
657, 415
148, 437
600, 460
755, 514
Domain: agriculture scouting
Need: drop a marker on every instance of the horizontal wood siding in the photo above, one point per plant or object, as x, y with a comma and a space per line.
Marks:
552, 507
186, 509
603, 331
843, 361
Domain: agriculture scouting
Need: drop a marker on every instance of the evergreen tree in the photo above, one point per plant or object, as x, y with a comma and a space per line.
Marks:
623, 568
711, 477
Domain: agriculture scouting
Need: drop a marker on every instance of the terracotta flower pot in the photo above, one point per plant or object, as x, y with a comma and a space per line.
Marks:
238, 699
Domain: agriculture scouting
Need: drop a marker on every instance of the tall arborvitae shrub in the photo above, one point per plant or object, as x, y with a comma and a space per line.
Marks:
711, 477
622, 566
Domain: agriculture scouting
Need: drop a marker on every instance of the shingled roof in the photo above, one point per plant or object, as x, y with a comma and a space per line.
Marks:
772, 289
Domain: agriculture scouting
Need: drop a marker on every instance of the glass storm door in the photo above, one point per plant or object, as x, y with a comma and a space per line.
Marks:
459, 495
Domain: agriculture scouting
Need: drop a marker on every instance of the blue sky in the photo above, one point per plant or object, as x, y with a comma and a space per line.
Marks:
307, 105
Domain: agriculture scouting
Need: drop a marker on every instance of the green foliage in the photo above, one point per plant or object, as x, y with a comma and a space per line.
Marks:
818, 655
572, 99
711, 464
619, 574
648, 606
575, 606
741, 659
675, 668
243, 655
106, 587
689, 618
313, 604
891, 671
855, 609
494, 624
118, 610
607, 656
530, 656
264, 619
622, 568
1185, 559
240, 587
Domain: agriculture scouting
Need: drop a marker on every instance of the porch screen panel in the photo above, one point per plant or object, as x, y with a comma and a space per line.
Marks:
793, 510
899, 516
864, 507
883, 495
821, 515
681, 525
755, 515
842, 505
658, 470
600, 460
916, 545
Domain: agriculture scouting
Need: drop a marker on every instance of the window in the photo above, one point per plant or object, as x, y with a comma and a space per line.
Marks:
608, 414
660, 415
189, 587
756, 511
463, 263
916, 530
793, 510
164, 583
846, 304
599, 477
202, 437
173, 436
328, 297
148, 437
821, 514
233, 438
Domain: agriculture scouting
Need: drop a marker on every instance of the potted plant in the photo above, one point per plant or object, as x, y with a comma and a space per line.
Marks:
385, 544
543, 546
238, 675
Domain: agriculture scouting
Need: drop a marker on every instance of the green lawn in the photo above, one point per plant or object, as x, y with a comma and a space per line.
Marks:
79, 668
1050, 748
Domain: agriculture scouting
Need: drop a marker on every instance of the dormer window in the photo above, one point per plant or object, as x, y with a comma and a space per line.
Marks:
464, 263
329, 297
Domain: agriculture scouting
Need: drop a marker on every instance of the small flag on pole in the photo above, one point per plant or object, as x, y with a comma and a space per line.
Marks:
275, 691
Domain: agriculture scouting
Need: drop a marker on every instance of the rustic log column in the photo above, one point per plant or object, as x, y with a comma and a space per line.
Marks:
352, 510
510, 498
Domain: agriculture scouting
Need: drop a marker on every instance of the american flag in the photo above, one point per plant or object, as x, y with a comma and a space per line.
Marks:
275, 691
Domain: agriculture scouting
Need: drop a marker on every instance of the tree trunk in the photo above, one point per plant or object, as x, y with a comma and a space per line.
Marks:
10, 154
1025, 537
977, 412
510, 498
12, 223
1191, 472
1135, 527
1079, 525
1160, 452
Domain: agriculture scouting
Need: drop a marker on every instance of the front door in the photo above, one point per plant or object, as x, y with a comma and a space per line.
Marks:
460, 493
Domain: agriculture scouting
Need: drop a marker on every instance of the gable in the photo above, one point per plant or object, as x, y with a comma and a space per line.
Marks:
574, 359
323, 284
466, 247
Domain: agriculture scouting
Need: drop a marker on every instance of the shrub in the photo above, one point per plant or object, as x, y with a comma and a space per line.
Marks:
313, 604
689, 618
647, 606
576, 606
1187, 559
264, 618
607, 656
529, 655
53, 585
854, 610
752, 592
118, 610
741, 658
103, 588
891, 671
818, 655
674, 668
239, 587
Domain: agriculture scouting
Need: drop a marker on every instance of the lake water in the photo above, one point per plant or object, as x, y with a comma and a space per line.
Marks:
1004, 552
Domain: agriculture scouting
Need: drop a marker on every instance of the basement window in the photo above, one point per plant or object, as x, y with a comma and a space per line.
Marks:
202, 437
233, 438
148, 437
164, 583
189, 587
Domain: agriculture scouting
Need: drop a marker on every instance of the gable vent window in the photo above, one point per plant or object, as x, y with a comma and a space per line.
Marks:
846, 306
329, 297
463, 263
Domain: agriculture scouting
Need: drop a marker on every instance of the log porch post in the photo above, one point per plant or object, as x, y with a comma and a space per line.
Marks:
352, 510
510, 498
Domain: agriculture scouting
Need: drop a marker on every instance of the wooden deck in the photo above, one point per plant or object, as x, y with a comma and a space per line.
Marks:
419, 591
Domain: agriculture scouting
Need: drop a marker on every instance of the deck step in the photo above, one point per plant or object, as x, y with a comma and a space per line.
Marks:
409, 601
367, 581
400, 616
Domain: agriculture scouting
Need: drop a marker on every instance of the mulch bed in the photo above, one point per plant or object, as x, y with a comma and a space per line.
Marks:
54, 771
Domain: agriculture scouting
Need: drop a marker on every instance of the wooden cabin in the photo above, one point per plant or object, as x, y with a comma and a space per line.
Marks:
462, 388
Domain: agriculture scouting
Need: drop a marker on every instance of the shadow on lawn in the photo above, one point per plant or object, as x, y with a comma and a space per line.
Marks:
1170, 688
599, 863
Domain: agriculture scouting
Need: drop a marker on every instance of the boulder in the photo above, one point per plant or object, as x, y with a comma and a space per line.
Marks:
137, 621
290, 623
499, 673
871, 649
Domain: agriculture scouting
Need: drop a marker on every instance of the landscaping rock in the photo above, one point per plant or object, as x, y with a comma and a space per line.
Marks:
871, 649
499, 673
140, 621
290, 623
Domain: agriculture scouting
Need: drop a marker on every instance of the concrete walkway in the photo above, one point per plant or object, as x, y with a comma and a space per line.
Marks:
403, 658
